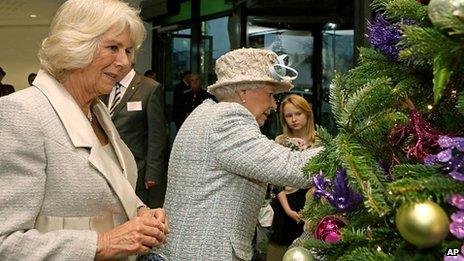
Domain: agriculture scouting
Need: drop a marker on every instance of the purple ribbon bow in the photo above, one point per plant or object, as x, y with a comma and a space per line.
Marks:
337, 193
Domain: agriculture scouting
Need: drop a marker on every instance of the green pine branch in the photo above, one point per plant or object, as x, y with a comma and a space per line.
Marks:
375, 128
362, 171
326, 160
407, 251
398, 10
356, 236
376, 236
460, 103
427, 43
373, 97
323, 134
311, 243
415, 171
366, 254
439, 187
359, 219
372, 64
418, 88
337, 99
450, 23
379, 5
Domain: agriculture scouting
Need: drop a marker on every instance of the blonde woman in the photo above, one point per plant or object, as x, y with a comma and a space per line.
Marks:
297, 120
73, 196
296, 117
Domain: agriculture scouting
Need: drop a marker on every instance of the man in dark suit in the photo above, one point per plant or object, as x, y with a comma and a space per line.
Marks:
5, 89
190, 97
136, 107
180, 90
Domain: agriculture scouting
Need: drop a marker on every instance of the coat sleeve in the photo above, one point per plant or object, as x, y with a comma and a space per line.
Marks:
23, 178
240, 148
156, 136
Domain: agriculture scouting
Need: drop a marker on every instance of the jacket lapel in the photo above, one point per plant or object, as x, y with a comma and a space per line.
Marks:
124, 187
81, 134
122, 151
131, 89
74, 121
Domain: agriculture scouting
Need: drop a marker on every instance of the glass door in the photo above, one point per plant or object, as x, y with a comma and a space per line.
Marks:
176, 52
298, 45
337, 58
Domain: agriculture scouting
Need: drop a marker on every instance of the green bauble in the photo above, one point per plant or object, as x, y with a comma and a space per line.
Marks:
422, 224
440, 9
297, 254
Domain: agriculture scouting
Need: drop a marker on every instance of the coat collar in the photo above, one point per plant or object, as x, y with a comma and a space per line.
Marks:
81, 134
74, 121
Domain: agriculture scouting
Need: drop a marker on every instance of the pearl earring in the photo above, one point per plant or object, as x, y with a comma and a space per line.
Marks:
243, 101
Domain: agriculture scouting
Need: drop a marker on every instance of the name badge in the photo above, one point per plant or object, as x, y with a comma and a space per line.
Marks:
134, 106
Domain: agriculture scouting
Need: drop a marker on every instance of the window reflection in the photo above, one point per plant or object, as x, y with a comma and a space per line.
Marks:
214, 43
337, 58
298, 45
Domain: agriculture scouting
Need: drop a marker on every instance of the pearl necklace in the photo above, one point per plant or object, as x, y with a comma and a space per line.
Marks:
89, 116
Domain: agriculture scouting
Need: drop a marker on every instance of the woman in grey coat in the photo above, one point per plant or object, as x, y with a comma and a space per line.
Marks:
66, 177
221, 163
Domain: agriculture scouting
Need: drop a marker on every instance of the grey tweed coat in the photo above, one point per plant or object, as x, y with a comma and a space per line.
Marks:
218, 171
57, 188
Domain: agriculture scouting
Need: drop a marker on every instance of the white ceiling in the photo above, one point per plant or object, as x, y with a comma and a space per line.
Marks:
17, 12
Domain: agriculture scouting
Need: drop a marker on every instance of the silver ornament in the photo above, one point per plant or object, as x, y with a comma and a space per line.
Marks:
298, 254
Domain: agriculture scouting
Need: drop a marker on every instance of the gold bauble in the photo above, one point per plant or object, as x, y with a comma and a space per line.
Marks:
440, 10
422, 224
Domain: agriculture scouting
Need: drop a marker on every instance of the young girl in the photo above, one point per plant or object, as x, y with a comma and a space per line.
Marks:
297, 120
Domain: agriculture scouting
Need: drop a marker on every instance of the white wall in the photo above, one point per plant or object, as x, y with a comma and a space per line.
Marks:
19, 46
18, 52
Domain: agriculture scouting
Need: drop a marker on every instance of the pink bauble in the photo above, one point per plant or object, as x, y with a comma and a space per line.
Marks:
332, 237
328, 229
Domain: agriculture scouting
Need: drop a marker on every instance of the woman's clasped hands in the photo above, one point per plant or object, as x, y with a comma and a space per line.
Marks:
135, 237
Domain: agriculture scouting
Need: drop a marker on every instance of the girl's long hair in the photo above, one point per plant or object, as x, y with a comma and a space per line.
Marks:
301, 104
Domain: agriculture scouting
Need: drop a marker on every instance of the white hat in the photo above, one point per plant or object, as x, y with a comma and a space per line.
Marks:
249, 65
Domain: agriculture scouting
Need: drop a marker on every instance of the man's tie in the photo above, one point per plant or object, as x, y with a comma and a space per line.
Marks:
116, 99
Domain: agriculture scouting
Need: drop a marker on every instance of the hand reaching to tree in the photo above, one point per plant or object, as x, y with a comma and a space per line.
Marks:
294, 215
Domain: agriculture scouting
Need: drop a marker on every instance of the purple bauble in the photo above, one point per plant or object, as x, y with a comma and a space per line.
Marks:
424, 2
328, 229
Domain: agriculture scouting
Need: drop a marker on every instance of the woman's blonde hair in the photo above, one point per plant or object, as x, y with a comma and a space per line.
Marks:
76, 31
301, 104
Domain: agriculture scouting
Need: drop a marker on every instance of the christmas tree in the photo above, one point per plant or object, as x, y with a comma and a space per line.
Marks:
391, 182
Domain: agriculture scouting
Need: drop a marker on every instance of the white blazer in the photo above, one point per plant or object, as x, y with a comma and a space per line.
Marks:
57, 187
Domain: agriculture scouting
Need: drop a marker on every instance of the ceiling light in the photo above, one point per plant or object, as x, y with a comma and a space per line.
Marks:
331, 26
33, 16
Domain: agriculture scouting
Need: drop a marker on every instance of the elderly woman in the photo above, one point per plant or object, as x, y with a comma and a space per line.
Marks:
221, 163
66, 178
